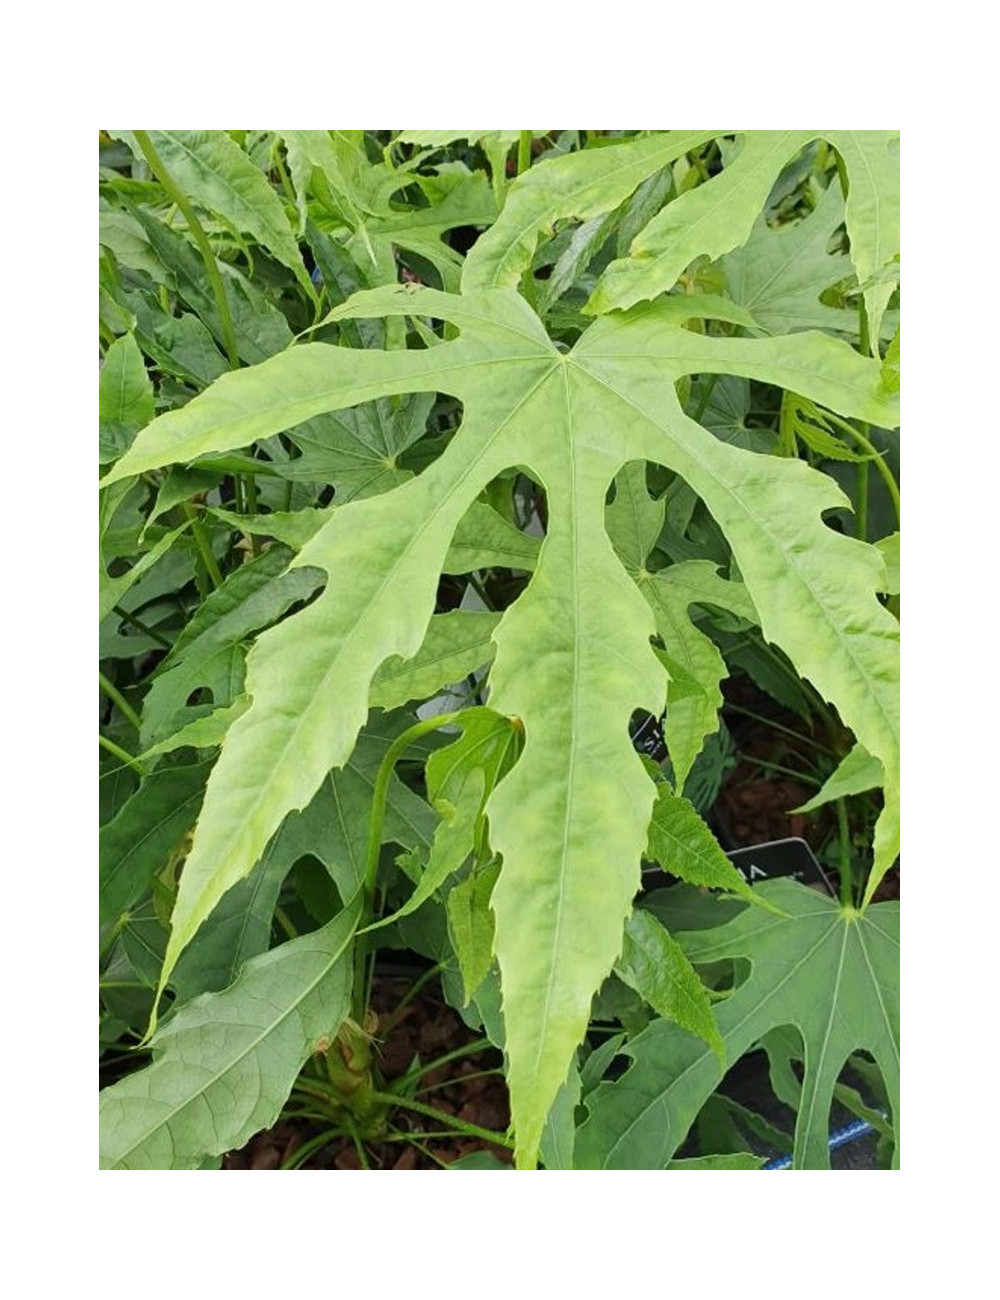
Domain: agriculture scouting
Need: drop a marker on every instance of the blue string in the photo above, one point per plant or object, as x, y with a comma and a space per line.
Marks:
849, 1133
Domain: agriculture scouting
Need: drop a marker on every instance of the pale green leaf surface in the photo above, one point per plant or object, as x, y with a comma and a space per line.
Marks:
889, 546
872, 211
223, 1066
710, 220
694, 664
583, 185
779, 274
835, 977
456, 644
470, 925
855, 774
202, 733
125, 397
655, 966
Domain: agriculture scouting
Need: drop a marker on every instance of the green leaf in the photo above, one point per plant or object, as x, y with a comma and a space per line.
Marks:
890, 366
889, 546
456, 645
573, 655
125, 397
470, 924
712, 220
223, 1066
633, 519
113, 590
559, 1134
137, 842
211, 168
584, 185
855, 774
260, 330
654, 965
834, 975
202, 733
209, 653
454, 839
238, 930
779, 274
334, 827
872, 162
356, 451
683, 845
484, 540
695, 666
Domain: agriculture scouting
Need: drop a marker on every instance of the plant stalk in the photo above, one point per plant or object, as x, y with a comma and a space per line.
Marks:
116, 697
176, 195
118, 752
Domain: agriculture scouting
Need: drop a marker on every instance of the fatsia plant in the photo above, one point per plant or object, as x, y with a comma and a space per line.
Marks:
574, 655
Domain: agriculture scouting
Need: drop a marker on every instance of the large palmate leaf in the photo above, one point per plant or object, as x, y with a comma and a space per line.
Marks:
833, 975
224, 1065
573, 658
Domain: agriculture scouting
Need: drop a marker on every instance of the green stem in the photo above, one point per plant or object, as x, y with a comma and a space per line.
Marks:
301, 1154
448, 1121
118, 752
787, 445
203, 545
467, 1049
846, 874
785, 771
777, 726
465, 1078
142, 627
523, 152
480, 591
285, 921
116, 697
200, 238
390, 1022
359, 1146
876, 455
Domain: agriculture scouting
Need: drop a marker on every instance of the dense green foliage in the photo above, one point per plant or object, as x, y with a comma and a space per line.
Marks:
381, 420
